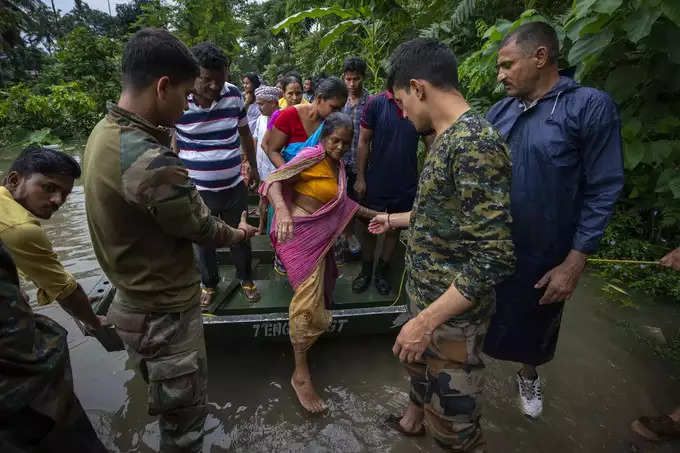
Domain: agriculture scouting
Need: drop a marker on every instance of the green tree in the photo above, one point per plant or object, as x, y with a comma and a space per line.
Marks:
368, 29
24, 33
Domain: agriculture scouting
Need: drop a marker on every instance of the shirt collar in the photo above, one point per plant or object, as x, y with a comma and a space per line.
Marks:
193, 107
362, 99
5, 194
390, 96
124, 117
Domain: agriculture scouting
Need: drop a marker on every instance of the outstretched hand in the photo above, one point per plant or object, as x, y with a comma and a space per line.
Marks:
672, 259
378, 224
248, 229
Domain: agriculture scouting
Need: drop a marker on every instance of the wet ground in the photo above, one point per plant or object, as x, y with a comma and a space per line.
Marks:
603, 377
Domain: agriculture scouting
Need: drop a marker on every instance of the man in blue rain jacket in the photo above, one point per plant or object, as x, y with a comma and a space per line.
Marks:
567, 173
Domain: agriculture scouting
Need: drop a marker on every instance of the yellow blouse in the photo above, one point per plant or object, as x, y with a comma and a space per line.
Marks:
318, 182
283, 103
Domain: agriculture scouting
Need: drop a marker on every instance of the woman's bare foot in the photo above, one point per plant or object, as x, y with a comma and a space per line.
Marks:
306, 394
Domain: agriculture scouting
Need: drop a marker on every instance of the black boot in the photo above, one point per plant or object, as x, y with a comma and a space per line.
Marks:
382, 283
361, 282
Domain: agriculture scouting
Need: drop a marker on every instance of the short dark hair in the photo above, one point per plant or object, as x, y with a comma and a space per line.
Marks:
47, 161
254, 79
334, 121
331, 88
354, 64
153, 53
423, 58
290, 79
533, 35
209, 56
294, 74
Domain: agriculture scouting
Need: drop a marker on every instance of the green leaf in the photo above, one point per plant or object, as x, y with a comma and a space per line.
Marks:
664, 179
633, 152
640, 22
528, 13
631, 129
658, 151
616, 288
674, 185
667, 125
671, 9
664, 38
596, 25
315, 13
581, 8
623, 82
589, 45
464, 12
336, 31
607, 6
574, 28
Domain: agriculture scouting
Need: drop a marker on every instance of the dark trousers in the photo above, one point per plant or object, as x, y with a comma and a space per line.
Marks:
29, 431
228, 205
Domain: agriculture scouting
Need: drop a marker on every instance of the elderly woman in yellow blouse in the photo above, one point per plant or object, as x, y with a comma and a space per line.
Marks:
309, 196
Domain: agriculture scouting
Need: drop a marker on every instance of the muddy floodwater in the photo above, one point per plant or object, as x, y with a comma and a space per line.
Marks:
602, 378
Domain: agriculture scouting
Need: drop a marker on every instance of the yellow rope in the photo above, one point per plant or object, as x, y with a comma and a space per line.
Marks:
602, 260
401, 285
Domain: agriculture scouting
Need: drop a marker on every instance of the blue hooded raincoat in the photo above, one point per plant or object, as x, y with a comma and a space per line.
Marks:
567, 172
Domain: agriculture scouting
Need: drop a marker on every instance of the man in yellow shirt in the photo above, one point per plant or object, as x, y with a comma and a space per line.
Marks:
35, 187
38, 409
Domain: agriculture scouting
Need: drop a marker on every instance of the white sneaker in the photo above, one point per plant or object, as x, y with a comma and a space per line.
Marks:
530, 397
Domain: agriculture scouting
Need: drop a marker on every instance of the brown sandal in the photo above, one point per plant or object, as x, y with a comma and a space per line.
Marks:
251, 292
393, 422
207, 296
658, 428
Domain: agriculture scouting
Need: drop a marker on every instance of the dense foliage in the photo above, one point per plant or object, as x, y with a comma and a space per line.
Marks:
58, 70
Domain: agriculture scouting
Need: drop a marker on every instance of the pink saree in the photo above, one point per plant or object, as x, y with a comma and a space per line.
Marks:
313, 235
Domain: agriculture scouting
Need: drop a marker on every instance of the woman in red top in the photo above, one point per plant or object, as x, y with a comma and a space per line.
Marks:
298, 126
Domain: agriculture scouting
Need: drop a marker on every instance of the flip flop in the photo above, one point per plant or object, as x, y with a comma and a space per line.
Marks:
393, 422
657, 428
251, 292
205, 292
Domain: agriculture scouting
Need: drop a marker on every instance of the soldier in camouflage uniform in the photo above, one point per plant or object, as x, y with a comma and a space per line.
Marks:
459, 247
143, 214
38, 409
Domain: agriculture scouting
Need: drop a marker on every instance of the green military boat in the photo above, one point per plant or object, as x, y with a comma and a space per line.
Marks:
231, 316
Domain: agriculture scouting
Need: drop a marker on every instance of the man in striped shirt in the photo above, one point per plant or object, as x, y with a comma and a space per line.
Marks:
209, 138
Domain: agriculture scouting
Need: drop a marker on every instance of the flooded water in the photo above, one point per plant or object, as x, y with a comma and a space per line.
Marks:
602, 378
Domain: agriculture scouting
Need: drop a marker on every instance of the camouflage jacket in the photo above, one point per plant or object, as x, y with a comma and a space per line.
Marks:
460, 223
143, 214
34, 361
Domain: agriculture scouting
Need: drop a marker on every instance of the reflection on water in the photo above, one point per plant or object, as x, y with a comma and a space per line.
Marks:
600, 381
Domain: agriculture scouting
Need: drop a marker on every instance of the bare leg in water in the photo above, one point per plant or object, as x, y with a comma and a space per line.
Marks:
412, 420
302, 384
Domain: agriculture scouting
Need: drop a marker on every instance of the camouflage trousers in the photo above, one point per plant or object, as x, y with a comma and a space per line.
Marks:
168, 349
447, 384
